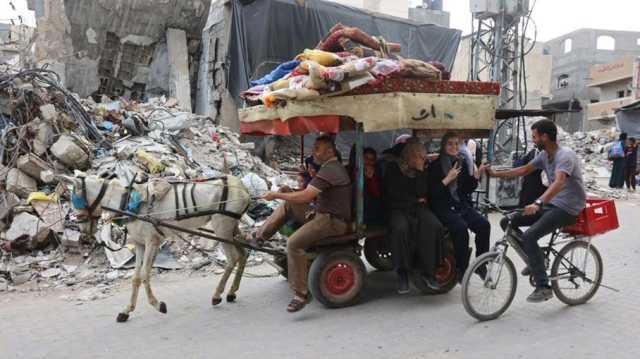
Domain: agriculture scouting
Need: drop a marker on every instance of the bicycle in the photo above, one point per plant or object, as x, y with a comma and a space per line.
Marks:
575, 272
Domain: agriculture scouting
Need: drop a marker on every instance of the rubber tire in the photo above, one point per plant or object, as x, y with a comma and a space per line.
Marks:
324, 262
556, 264
445, 287
372, 252
485, 258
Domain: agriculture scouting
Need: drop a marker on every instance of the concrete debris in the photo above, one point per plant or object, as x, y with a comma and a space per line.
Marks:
592, 148
49, 113
69, 153
50, 273
33, 166
20, 183
53, 132
70, 238
51, 213
7, 202
24, 224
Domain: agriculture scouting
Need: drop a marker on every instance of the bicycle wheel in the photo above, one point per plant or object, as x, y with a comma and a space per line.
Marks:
576, 273
487, 299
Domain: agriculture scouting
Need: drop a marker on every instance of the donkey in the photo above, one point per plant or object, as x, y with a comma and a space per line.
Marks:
222, 201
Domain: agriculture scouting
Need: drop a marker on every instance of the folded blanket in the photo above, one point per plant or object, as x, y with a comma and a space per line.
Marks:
279, 72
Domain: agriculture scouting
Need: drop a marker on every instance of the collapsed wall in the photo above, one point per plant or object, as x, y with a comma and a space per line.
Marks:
120, 48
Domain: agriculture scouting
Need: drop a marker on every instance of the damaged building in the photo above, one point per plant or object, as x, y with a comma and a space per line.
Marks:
118, 48
574, 54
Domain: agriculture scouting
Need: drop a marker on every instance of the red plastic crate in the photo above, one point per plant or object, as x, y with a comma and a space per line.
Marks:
598, 217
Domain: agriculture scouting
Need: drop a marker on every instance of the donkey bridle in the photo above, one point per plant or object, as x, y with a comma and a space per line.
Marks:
92, 207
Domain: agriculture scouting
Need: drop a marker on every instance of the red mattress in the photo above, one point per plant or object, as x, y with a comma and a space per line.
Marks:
427, 86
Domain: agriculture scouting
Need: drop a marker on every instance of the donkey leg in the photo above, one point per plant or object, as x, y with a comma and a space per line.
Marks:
151, 250
136, 281
232, 259
242, 262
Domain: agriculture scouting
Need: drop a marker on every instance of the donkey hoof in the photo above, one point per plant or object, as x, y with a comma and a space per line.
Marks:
216, 301
231, 298
122, 317
162, 308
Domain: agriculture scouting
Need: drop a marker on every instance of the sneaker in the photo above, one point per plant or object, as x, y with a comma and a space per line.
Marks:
526, 271
403, 283
430, 282
540, 294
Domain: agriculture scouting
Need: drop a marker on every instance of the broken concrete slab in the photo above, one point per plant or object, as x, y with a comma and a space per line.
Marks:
49, 113
50, 273
51, 213
71, 238
7, 202
69, 153
33, 165
24, 224
179, 86
20, 183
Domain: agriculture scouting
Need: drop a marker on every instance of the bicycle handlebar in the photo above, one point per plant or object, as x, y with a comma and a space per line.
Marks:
502, 211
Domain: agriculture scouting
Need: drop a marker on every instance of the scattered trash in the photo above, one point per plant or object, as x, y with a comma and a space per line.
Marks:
50, 131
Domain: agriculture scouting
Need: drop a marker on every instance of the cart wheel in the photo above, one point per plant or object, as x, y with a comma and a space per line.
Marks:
445, 275
336, 279
378, 253
281, 261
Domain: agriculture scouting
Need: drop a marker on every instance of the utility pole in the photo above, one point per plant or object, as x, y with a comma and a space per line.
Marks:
496, 54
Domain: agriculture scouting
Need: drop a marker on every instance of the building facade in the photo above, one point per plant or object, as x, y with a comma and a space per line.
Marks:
15, 44
613, 85
574, 55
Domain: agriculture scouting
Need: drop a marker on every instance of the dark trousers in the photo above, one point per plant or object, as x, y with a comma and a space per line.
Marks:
617, 173
415, 233
459, 221
630, 177
547, 220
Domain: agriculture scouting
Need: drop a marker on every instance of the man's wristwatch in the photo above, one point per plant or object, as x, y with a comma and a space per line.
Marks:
538, 203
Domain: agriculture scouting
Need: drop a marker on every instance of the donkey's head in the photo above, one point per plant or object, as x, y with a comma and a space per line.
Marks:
87, 196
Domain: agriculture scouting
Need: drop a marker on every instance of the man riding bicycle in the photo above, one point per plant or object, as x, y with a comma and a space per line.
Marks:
556, 208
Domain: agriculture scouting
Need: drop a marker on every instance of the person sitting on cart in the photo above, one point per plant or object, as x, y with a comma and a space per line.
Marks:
556, 208
372, 196
451, 185
310, 170
330, 190
414, 229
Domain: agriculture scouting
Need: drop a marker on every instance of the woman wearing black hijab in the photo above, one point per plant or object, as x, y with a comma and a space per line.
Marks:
450, 189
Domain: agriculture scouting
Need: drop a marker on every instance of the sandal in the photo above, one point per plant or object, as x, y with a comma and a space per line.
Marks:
297, 304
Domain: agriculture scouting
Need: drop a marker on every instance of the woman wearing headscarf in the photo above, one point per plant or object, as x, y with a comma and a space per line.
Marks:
450, 187
414, 230
616, 155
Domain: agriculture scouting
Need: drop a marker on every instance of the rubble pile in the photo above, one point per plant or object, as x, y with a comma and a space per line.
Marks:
45, 130
592, 148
